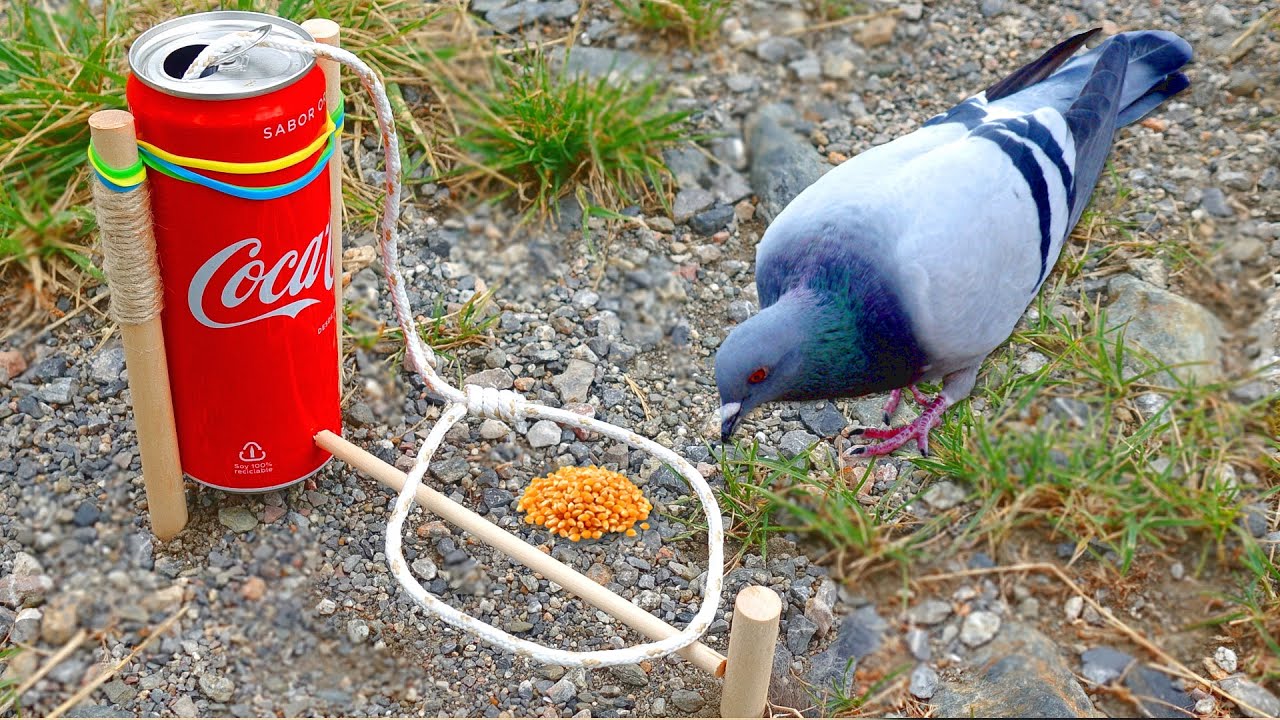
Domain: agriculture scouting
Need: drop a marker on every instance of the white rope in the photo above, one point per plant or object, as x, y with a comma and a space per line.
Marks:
483, 402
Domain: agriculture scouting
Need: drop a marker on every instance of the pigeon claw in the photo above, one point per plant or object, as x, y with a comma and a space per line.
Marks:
893, 438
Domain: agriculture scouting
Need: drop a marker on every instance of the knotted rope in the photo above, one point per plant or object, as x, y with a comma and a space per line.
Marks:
478, 401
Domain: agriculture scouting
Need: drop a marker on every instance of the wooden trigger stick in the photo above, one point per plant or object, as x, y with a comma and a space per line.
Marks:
129, 259
753, 637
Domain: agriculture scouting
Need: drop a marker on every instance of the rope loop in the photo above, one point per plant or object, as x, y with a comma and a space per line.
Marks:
493, 403
483, 402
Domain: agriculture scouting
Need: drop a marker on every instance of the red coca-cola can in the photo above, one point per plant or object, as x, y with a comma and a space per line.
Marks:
249, 316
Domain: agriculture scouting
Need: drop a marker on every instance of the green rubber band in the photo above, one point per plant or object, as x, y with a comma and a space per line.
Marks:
132, 175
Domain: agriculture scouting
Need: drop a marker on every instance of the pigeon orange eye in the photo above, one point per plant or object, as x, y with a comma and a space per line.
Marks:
758, 376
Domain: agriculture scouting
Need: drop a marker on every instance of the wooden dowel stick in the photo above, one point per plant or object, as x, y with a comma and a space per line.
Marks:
328, 32
753, 637
115, 140
572, 580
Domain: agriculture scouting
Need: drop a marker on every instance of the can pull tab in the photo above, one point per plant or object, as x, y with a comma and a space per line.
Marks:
233, 58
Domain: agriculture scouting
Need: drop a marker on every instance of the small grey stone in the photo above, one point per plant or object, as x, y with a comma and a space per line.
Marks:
1214, 202
687, 700
530, 12
806, 68
740, 310
800, 632
107, 366
912, 10
86, 514
499, 378
357, 630
825, 420
518, 626
1220, 19
544, 433
118, 692
631, 675
562, 692
575, 382
929, 612
450, 471
782, 162
979, 627
492, 429
944, 495
26, 626
238, 518
924, 682
184, 707
777, 49
918, 644
794, 444
326, 607
424, 568
1101, 665
1258, 697
600, 62
216, 687
712, 221
690, 202
1226, 659
58, 391
359, 415
991, 8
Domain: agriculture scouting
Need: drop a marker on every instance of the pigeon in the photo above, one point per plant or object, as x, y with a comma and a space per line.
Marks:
913, 261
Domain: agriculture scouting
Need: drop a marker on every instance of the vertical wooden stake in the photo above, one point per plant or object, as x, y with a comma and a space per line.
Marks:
115, 140
752, 640
328, 32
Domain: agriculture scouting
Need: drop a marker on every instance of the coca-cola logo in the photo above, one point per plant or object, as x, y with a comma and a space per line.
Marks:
235, 287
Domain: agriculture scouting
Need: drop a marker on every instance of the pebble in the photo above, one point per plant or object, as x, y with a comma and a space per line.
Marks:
1214, 201
979, 627
26, 626
492, 429
918, 644
544, 433
216, 687
86, 514
631, 675
944, 495
800, 632
424, 569
823, 419
1225, 658
237, 518
687, 700
184, 707
326, 607
1168, 326
929, 612
1264, 702
58, 391
924, 682
562, 692
357, 630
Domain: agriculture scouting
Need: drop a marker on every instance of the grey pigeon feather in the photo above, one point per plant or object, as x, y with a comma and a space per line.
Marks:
914, 260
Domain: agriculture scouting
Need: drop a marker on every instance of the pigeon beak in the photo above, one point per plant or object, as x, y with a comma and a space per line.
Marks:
729, 413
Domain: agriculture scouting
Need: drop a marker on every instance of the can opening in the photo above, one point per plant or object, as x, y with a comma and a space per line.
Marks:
176, 64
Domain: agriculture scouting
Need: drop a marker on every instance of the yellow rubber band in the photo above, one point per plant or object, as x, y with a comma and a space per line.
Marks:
245, 168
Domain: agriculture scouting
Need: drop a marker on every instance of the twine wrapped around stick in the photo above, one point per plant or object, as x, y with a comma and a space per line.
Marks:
129, 253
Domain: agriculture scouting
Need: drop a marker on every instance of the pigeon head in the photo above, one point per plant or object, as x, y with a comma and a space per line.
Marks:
762, 360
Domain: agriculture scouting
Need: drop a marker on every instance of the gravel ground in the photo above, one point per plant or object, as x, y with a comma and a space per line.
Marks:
290, 607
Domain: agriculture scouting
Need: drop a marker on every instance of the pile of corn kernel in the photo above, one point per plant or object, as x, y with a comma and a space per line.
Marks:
585, 502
